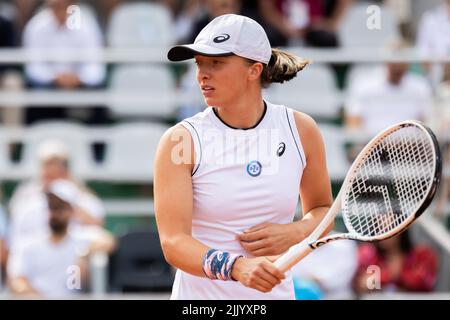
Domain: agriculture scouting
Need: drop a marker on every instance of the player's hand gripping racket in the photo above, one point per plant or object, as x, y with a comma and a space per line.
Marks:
389, 185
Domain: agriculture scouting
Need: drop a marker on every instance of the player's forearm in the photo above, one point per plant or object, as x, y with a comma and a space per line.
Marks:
311, 220
185, 253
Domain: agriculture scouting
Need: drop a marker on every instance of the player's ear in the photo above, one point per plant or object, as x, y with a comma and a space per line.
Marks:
255, 71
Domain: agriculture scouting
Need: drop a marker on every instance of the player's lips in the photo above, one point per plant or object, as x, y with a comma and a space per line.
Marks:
206, 90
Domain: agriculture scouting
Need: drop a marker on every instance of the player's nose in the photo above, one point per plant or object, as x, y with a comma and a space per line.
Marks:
203, 74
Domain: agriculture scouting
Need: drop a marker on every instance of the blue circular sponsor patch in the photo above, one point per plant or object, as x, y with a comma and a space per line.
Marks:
254, 168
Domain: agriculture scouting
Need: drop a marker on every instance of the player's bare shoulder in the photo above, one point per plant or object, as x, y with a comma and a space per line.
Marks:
177, 144
175, 133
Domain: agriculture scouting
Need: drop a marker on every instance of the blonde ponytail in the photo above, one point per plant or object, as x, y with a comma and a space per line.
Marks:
282, 67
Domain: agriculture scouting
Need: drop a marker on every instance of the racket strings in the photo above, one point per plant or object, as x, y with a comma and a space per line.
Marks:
391, 183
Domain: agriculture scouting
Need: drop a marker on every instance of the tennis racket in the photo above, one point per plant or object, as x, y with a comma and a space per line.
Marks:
389, 185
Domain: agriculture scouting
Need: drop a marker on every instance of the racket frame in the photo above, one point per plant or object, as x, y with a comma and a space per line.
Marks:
298, 251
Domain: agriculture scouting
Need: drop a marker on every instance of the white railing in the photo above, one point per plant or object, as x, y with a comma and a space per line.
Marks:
159, 55
85, 98
94, 134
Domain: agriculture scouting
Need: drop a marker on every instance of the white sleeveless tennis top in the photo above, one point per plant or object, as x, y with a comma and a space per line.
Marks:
241, 178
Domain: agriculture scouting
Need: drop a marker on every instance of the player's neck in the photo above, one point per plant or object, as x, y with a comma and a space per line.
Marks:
242, 115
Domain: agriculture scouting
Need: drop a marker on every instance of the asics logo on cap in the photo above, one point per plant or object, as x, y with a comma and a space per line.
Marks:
222, 38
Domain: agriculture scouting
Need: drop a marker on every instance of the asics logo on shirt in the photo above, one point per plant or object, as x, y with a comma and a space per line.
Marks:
281, 149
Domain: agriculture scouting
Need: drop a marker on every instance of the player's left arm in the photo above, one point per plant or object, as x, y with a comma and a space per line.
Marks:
315, 193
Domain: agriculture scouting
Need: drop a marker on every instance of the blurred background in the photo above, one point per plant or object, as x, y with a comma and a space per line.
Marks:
86, 92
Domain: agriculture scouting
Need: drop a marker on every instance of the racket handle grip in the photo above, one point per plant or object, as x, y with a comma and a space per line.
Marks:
295, 254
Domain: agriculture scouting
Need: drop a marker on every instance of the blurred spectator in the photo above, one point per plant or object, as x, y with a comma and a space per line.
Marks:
49, 29
402, 265
28, 208
185, 13
3, 246
10, 79
433, 36
23, 13
443, 94
441, 117
314, 22
402, 9
55, 265
52, 29
383, 98
442, 126
324, 274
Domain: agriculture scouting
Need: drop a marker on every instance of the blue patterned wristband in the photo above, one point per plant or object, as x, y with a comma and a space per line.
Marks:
217, 265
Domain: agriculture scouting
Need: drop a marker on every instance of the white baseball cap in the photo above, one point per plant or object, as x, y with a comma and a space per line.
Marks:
66, 191
50, 149
227, 35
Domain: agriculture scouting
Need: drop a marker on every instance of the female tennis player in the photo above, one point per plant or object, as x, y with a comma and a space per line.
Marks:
227, 180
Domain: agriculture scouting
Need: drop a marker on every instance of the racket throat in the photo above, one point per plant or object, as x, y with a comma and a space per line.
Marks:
340, 236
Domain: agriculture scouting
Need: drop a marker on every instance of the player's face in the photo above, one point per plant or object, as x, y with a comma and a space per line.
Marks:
222, 80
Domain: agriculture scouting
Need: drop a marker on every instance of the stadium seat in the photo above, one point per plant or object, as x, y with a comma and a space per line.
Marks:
354, 30
138, 265
140, 25
137, 81
86, 10
70, 134
130, 153
313, 91
359, 72
337, 162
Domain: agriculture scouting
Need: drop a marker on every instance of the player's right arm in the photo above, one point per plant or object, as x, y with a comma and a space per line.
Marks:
175, 159
173, 193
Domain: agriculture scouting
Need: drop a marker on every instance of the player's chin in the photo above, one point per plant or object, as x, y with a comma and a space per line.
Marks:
211, 101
